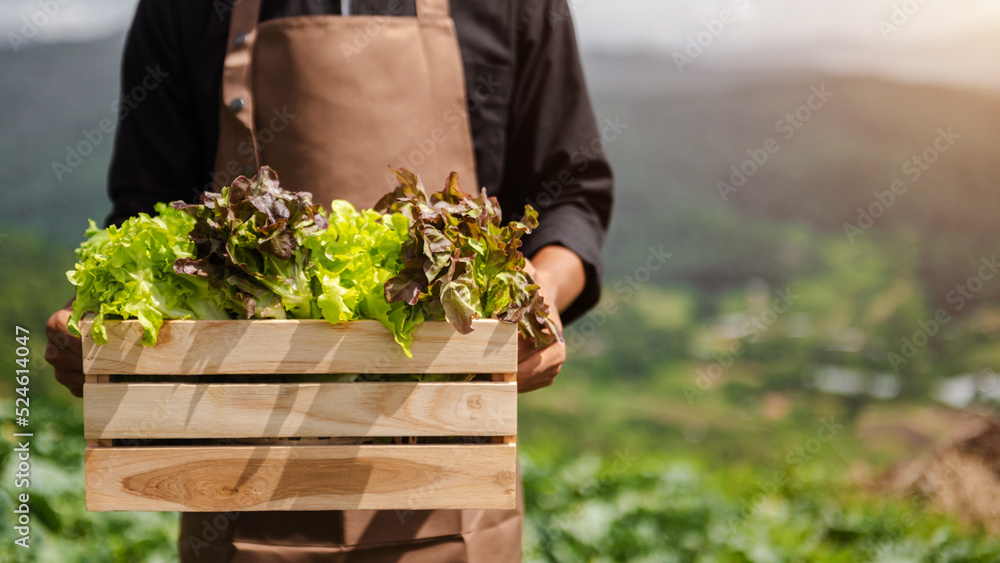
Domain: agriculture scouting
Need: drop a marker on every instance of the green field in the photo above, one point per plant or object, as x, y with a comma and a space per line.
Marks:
747, 399
627, 458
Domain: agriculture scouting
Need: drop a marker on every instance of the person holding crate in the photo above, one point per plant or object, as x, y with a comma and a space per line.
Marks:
329, 94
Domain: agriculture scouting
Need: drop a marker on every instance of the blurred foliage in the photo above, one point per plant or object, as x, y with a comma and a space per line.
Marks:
619, 461
666, 511
650, 380
856, 312
61, 528
34, 284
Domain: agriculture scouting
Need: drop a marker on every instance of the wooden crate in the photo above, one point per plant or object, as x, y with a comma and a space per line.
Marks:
246, 446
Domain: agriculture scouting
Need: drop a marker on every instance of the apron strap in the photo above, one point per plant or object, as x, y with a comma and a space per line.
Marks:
433, 9
236, 95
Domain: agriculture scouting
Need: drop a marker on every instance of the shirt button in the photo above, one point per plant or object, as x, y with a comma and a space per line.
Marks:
237, 104
240, 40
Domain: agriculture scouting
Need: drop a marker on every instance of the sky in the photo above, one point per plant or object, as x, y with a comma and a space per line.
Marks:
70, 20
949, 40
660, 24
955, 42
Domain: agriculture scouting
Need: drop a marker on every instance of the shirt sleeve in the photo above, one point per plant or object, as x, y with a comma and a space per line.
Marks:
555, 159
157, 156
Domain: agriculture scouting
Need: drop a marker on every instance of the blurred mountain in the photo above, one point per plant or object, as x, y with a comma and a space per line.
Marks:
51, 94
687, 130
683, 134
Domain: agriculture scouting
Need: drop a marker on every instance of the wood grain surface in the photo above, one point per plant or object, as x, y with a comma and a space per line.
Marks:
236, 410
298, 347
336, 477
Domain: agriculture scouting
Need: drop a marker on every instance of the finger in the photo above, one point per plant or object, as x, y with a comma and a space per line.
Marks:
58, 334
72, 380
540, 369
539, 380
525, 348
541, 360
62, 359
530, 268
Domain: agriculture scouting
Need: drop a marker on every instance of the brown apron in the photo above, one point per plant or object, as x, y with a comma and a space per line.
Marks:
330, 103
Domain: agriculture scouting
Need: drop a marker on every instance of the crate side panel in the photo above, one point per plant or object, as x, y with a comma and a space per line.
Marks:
191, 411
304, 346
244, 478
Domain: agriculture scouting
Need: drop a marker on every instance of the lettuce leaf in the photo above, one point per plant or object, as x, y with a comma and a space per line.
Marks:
255, 250
352, 260
127, 273
462, 263
246, 242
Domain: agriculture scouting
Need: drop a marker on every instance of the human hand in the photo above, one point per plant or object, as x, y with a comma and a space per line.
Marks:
538, 368
65, 351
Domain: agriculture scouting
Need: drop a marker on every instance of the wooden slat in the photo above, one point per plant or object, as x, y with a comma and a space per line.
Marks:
230, 410
251, 478
510, 437
91, 382
299, 346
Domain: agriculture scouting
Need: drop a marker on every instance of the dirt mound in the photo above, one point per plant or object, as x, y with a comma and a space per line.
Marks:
961, 478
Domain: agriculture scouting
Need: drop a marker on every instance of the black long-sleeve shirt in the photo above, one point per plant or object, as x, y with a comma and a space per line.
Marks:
535, 136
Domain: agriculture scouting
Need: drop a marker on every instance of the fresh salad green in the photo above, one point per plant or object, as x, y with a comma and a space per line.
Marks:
127, 272
255, 250
462, 263
247, 242
351, 263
